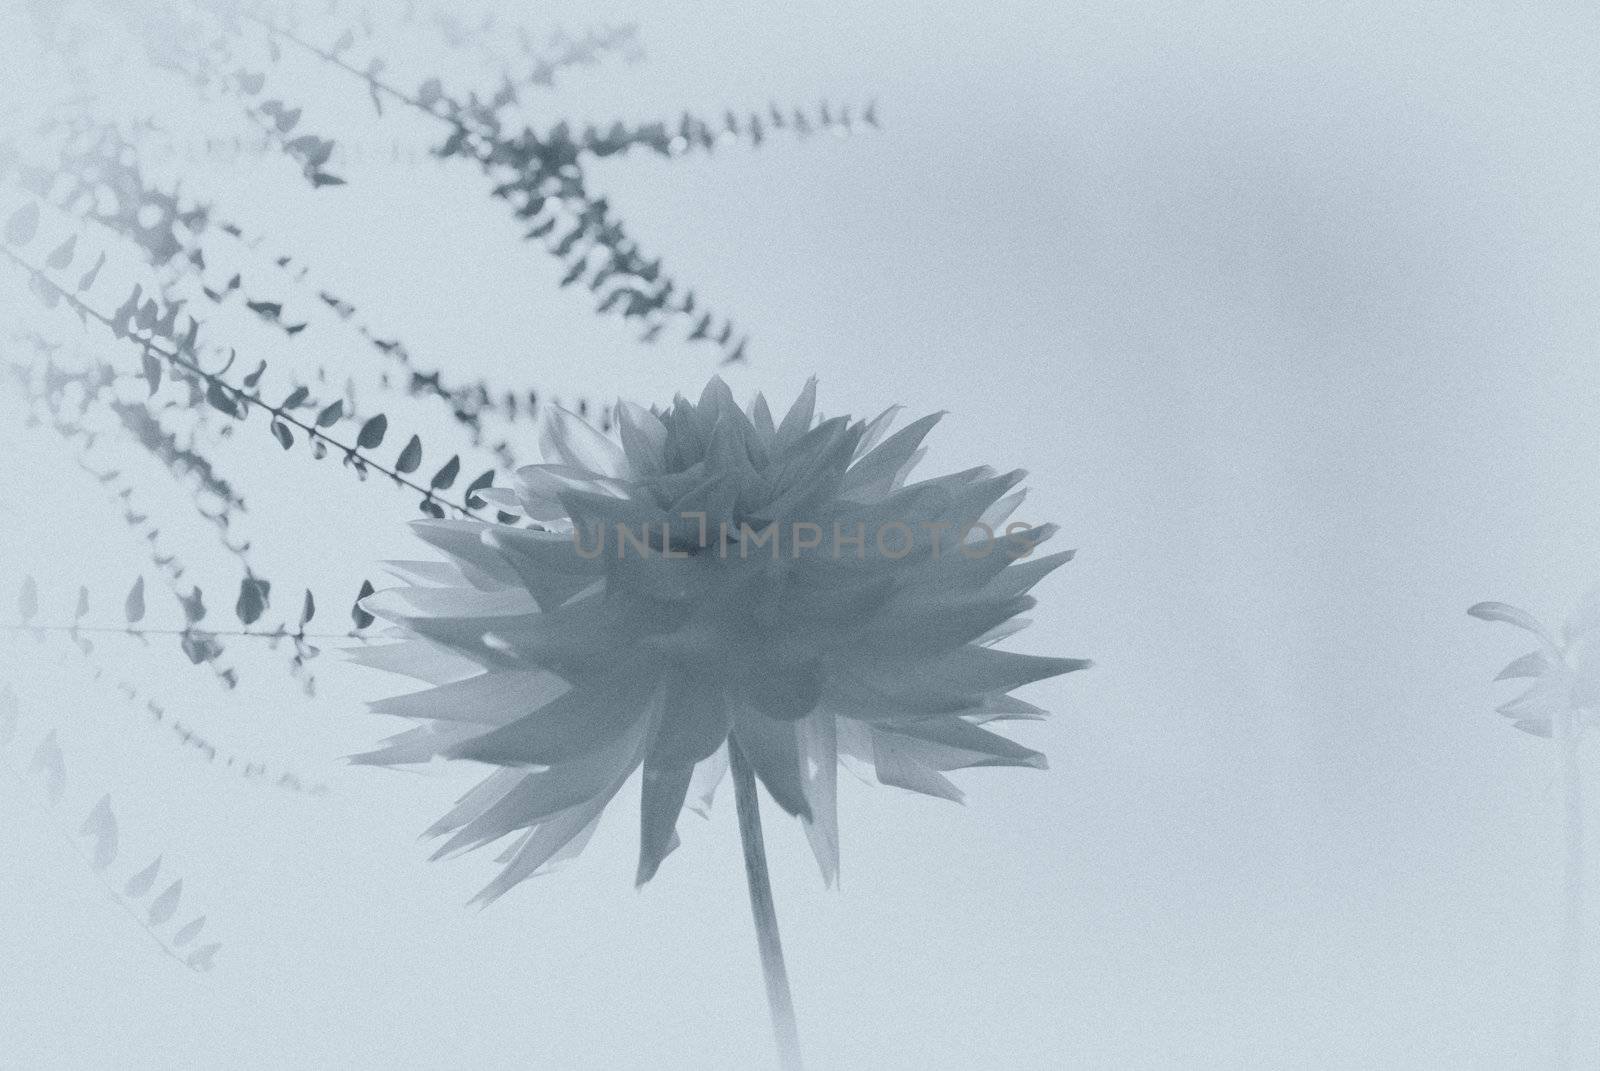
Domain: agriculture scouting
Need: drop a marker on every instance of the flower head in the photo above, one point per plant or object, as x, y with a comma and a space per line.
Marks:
1565, 673
713, 575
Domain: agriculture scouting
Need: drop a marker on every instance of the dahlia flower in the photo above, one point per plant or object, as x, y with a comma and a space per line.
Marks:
714, 588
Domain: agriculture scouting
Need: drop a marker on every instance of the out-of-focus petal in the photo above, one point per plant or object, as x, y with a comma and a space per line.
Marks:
571, 440
773, 748
819, 771
487, 699
661, 799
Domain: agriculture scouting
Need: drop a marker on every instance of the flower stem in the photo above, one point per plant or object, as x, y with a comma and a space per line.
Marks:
1572, 907
779, 1000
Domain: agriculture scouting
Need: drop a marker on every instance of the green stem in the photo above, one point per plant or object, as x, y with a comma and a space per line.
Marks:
779, 1000
1572, 906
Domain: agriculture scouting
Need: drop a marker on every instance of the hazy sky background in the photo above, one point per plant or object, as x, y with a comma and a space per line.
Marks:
1290, 312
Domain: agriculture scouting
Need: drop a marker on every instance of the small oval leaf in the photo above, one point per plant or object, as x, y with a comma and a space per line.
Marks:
481, 483
219, 400
357, 614
28, 600
22, 224
372, 432
102, 825
47, 759
164, 906
189, 932
446, 475
61, 256
152, 371
1499, 611
133, 606
87, 279
410, 457
140, 883
200, 958
1535, 664
252, 601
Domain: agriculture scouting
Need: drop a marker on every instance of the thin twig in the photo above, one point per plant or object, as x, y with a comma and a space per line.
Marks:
377, 84
177, 360
276, 634
72, 841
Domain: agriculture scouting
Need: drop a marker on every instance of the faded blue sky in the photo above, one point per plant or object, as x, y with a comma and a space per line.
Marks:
1289, 310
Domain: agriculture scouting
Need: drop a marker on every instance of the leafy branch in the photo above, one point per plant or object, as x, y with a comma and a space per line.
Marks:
101, 825
544, 179
142, 320
99, 165
249, 607
158, 715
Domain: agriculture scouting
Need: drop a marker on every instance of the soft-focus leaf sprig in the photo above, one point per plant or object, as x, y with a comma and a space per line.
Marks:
201, 645
144, 320
169, 567
98, 164
543, 177
64, 396
151, 913
537, 65
1561, 703
157, 713
154, 328
215, 497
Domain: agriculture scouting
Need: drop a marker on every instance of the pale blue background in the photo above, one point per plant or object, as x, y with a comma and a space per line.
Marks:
1289, 309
